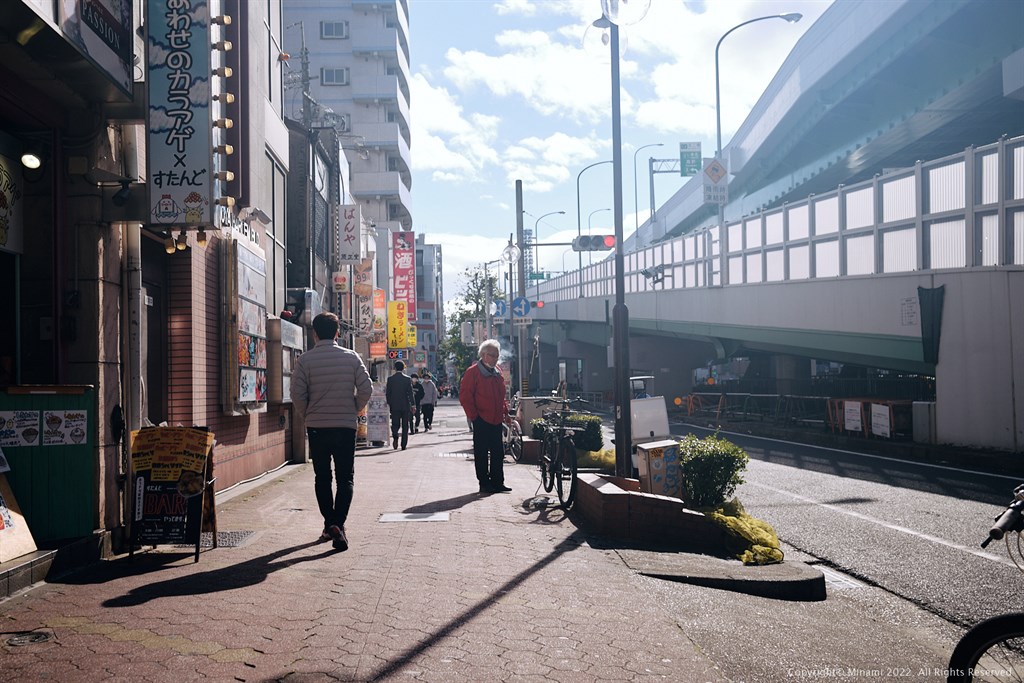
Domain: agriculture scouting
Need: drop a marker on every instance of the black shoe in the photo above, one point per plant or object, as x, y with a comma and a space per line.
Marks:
500, 488
338, 538
394, 443
486, 490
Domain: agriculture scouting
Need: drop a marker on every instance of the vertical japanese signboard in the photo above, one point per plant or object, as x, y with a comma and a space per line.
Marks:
179, 152
403, 254
362, 287
397, 324
378, 334
349, 237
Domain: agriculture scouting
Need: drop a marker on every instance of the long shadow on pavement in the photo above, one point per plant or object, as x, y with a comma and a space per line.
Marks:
233, 576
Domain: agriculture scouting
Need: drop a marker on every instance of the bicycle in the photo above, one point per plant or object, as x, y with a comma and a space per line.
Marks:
558, 467
512, 435
994, 649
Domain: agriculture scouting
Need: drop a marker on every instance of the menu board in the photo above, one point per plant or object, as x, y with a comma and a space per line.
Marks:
169, 470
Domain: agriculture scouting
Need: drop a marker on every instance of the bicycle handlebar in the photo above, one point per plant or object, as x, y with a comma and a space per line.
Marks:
1012, 519
561, 401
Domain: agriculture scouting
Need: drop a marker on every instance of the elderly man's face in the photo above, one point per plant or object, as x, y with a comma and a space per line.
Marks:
489, 357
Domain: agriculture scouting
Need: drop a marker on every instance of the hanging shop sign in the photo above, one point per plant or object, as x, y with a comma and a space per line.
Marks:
102, 32
349, 237
179, 153
397, 324
403, 266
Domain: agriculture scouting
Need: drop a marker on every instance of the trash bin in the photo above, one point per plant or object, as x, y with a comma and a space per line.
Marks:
658, 463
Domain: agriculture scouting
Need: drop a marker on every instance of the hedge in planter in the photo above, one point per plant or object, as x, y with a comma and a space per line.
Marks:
711, 470
590, 439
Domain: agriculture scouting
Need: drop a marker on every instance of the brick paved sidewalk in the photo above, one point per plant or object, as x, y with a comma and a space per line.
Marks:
500, 591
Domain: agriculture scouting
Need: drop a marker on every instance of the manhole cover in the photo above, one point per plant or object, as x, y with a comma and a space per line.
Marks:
225, 539
29, 638
415, 517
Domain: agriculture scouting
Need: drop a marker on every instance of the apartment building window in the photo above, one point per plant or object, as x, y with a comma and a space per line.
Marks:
334, 30
276, 251
337, 76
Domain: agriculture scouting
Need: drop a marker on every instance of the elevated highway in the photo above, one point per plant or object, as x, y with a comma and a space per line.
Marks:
919, 271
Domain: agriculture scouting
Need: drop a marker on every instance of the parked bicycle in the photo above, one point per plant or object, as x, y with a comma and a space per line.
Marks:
512, 433
558, 466
994, 649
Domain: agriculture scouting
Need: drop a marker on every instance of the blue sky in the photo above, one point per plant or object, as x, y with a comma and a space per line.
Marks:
521, 90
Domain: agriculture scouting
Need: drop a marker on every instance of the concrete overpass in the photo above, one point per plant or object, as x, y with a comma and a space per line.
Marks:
920, 270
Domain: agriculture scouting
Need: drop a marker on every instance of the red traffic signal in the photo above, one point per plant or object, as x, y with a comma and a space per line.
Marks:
538, 304
593, 243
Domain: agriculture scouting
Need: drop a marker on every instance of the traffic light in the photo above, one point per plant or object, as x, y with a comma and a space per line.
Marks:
593, 243
538, 304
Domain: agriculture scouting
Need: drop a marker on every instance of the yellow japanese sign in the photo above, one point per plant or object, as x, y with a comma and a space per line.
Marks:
398, 324
410, 335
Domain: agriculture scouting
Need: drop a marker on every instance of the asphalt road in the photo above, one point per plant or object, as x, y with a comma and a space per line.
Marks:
913, 529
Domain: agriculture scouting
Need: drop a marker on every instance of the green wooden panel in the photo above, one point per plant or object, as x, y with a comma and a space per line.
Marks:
55, 478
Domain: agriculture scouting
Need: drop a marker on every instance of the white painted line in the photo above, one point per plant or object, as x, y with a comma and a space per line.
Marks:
895, 527
863, 455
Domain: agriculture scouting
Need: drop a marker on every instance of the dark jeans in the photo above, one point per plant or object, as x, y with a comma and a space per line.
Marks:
428, 414
337, 445
488, 453
416, 416
401, 419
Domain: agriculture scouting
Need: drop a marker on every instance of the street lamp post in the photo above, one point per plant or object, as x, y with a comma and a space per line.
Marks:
636, 206
579, 222
792, 18
536, 226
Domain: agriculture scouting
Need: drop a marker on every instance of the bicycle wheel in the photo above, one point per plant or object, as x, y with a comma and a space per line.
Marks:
547, 465
566, 473
991, 651
515, 442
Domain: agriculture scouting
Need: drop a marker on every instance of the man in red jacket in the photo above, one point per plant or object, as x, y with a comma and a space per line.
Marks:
482, 395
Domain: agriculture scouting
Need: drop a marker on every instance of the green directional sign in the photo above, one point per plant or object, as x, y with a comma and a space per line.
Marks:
538, 276
689, 158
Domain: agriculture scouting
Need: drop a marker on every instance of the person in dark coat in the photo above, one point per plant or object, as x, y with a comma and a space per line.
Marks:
398, 392
417, 395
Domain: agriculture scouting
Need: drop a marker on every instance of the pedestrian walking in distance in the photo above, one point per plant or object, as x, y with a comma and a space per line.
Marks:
430, 397
398, 392
417, 395
330, 386
482, 395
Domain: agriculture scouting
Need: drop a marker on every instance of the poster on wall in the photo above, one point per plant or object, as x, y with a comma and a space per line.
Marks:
12, 231
19, 428
403, 268
245, 292
64, 427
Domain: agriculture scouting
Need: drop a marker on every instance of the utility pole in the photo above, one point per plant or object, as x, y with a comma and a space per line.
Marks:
521, 348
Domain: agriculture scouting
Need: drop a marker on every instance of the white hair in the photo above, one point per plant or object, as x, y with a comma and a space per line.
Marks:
489, 344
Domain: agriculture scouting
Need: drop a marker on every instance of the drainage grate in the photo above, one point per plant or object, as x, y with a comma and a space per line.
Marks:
225, 539
457, 454
415, 517
29, 638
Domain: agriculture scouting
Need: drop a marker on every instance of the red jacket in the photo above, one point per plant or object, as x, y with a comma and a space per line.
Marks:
483, 397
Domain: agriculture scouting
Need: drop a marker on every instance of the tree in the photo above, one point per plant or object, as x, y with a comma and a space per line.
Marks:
471, 305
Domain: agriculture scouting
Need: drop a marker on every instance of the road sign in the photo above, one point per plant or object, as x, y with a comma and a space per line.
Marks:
500, 309
524, 321
538, 276
520, 306
689, 158
715, 180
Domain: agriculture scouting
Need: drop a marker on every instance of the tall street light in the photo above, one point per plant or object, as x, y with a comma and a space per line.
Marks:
636, 207
536, 252
792, 18
579, 223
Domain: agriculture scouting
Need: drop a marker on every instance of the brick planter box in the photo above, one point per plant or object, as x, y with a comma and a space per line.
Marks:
616, 507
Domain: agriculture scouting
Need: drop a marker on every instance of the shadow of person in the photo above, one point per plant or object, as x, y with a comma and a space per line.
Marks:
234, 576
446, 504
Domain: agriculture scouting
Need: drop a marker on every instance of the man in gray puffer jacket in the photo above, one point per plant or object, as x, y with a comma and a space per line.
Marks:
330, 386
